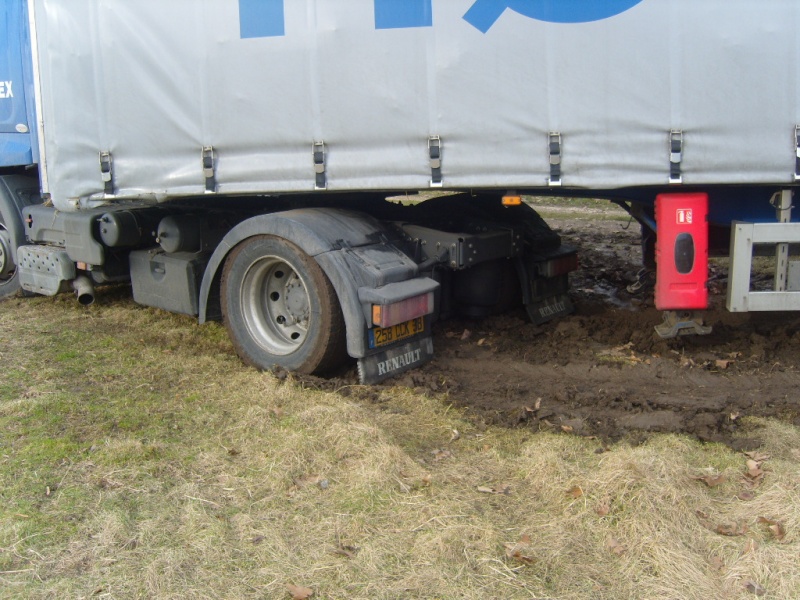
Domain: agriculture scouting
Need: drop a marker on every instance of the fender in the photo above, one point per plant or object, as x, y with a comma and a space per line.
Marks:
326, 234
12, 204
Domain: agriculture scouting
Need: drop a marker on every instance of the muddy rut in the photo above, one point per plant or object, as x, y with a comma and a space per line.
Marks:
604, 372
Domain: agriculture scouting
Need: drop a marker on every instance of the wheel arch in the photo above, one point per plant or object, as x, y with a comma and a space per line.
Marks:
318, 232
17, 192
12, 205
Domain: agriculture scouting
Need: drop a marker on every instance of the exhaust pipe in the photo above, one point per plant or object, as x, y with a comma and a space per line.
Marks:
84, 290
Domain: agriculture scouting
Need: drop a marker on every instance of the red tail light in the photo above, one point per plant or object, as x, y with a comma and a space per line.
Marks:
387, 315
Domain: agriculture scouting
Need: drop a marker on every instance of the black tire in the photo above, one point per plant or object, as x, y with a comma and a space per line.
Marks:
9, 280
280, 309
16, 192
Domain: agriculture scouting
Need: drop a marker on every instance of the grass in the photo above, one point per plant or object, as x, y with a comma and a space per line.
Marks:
140, 459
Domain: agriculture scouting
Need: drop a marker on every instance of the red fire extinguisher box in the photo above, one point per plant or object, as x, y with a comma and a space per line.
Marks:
682, 251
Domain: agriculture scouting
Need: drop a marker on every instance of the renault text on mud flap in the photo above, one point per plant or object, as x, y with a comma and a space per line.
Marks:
398, 362
265, 18
6, 90
552, 309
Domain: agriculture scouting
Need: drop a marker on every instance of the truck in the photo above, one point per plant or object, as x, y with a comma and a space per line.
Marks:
262, 161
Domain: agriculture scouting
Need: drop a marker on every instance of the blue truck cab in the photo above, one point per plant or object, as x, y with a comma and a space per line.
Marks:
18, 146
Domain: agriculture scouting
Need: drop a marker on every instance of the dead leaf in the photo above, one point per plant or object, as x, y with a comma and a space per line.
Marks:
516, 554
776, 527
615, 547
481, 341
466, 335
716, 563
440, 454
723, 364
299, 592
257, 539
426, 480
538, 404
745, 495
732, 529
346, 551
755, 588
753, 475
520, 551
566, 428
575, 491
501, 489
757, 456
523, 558
604, 507
711, 480
305, 480
749, 547
455, 435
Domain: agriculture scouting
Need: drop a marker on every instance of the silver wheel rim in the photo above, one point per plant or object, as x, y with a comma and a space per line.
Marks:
275, 305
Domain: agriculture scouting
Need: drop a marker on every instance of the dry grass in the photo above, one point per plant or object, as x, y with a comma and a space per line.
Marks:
140, 459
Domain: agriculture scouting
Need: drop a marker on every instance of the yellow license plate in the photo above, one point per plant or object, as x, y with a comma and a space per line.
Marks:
383, 336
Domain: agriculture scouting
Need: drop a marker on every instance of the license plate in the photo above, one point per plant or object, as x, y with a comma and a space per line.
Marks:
383, 336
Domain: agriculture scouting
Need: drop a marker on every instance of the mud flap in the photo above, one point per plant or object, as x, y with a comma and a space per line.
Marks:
388, 363
547, 309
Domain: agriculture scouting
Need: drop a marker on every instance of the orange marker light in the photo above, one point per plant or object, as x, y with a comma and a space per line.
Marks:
512, 200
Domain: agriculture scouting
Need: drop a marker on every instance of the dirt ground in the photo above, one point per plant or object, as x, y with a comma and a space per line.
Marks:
604, 372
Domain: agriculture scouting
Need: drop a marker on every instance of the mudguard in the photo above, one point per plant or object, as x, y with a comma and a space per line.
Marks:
16, 193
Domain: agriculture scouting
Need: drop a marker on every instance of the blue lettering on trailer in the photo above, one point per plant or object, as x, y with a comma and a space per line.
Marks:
261, 18
397, 14
484, 13
265, 18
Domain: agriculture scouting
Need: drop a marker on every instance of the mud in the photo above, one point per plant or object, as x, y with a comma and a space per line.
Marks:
604, 372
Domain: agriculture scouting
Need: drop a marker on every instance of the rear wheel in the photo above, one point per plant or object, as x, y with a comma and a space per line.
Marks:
11, 236
280, 309
9, 281
16, 192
